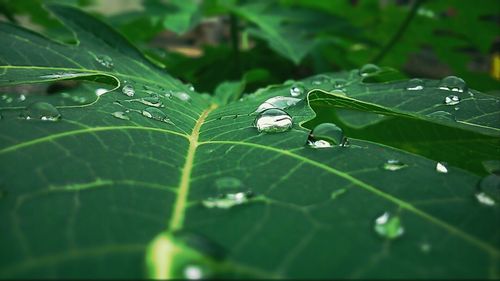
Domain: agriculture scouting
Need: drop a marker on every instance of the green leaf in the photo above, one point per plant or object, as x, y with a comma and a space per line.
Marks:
192, 189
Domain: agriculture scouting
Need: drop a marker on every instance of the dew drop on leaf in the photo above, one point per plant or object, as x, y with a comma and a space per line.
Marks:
273, 120
296, 90
453, 83
155, 114
279, 102
128, 90
441, 167
485, 199
228, 200
193, 272
489, 190
451, 100
21, 98
394, 165
100, 91
41, 111
105, 61
183, 96
326, 135
339, 83
151, 101
121, 115
388, 226
368, 69
228, 183
415, 84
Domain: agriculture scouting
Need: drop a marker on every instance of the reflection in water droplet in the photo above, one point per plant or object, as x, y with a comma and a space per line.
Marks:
273, 120
156, 114
279, 102
327, 135
388, 226
105, 61
441, 167
120, 115
128, 90
415, 84
296, 90
100, 92
394, 165
41, 111
453, 83
183, 96
451, 100
227, 200
228, 183
368, 69
193, 272
442, 115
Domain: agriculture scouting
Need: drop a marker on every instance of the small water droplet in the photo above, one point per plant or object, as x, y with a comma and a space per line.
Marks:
388, 226
228, 183
296, 90
441, 167
120, 115
279, 102
485, 199
273, 120
443, 115
21, 98
193, 272
100, 92
326, 135
453, 83
415, 84
394, 165
151, 101
167, 94
425, 247
489, 190
368, 69
451, 100
156, 114
183, 96
191, 87
339, 83
9, 100
41, 111
105, 61
128, 90
227, 200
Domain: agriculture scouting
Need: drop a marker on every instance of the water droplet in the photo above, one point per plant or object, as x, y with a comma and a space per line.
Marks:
191, 87
451, 100
441, 167
228, 183
168, 94
279, 102
453, 83
388, 226
41, 111
21, 98
156, 114
485, 199
120, 115
151, 101
339, 83
443, 115
368, 69
425, 247
273, 120
105, 61
183, 96
100, 92
296, 90
326, 135
489, 190
62, 75
128, 90
193, 272
415, 84
394, 165
227, 200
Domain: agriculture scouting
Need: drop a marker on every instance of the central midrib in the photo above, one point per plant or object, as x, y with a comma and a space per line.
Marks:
179, 207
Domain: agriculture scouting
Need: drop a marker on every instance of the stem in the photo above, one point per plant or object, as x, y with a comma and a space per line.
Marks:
402, 28
234, 29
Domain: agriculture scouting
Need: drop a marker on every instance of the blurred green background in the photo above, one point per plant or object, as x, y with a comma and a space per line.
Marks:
264, 42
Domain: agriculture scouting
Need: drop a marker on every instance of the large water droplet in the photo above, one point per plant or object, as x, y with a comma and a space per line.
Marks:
279, 102
453, 83
441, 167
183, 96
296, 90
121, 115
388, 226
415, 84
156, 114
451, 100
273, 120
228, 183
368, 69
443, 115
128, 90
326, 135
227, 200
41, 111
394, 165
105, 61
